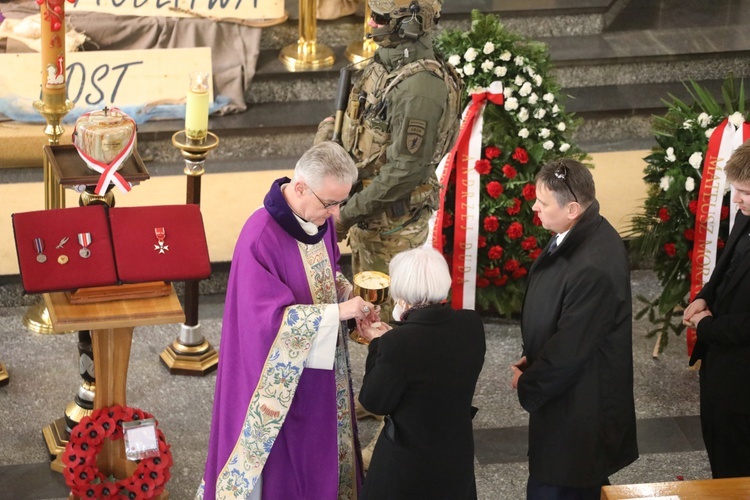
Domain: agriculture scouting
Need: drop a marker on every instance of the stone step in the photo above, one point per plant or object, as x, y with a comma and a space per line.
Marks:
617, 58
532, 19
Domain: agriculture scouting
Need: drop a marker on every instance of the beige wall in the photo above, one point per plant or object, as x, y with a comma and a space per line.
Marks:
228, 198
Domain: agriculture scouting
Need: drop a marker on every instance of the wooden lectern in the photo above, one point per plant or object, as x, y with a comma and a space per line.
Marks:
705, 489
111, 324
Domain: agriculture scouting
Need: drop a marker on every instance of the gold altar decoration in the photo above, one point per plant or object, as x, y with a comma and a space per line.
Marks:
307, 53
357, 52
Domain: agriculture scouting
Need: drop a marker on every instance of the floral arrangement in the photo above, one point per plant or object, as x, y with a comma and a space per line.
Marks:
664, 229
528, 130
86, 440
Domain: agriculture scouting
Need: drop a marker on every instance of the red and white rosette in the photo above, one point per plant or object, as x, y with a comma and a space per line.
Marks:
108, 172
465, 153
723, 141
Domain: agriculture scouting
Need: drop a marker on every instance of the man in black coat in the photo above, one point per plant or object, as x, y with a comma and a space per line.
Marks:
576, 375
721, 312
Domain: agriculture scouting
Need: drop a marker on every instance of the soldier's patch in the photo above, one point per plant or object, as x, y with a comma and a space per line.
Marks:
415, 130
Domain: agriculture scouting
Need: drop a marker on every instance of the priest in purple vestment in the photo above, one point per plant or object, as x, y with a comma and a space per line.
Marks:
282, 425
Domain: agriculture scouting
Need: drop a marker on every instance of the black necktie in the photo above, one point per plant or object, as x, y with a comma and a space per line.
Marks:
553, 245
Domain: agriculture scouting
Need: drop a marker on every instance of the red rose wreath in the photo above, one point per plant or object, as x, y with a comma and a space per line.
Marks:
86, 441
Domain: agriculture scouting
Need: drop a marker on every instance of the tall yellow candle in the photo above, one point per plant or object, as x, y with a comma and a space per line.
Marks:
53, 46
196, 106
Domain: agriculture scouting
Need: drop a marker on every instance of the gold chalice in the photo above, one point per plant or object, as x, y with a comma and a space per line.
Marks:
373, 287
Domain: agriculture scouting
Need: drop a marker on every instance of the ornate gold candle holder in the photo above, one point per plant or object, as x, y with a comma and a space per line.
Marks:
357, 52
307, 53
191, 353
53, 107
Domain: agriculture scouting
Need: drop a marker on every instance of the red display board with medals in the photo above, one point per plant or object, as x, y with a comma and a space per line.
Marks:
64, 249
93, 246
159, 243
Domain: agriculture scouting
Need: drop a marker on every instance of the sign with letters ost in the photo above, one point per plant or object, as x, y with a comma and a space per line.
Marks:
109, 78
218, 9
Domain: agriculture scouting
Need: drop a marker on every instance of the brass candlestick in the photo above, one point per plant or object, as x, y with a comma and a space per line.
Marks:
53, 107
357, 52
191, 353
373, 286
307, 53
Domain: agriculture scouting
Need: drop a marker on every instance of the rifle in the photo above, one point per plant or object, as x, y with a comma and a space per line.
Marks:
342, 98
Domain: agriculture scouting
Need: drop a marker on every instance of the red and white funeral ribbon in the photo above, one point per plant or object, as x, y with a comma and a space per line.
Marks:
109, 171
722, 143
463, 156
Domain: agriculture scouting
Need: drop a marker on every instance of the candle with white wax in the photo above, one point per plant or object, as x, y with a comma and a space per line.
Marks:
53, 46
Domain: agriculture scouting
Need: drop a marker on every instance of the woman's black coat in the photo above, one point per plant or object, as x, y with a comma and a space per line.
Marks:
422, 376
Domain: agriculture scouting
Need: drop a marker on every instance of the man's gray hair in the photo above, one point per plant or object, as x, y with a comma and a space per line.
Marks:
326, 159
419, 276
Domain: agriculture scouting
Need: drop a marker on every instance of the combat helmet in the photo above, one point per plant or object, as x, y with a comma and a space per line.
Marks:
403, 20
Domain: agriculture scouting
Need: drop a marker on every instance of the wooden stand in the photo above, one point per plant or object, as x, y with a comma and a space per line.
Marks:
111, 325
738, 487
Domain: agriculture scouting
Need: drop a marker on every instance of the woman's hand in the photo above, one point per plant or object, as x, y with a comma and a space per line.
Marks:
369, 331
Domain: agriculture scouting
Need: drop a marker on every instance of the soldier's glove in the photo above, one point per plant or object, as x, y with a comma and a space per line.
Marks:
341, 231
325, 131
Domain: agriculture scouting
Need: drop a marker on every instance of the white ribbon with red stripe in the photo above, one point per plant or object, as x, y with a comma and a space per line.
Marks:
109, 171
463, 156
722, 143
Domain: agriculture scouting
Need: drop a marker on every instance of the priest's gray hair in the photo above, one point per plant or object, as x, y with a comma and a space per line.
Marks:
326, 159
419, 276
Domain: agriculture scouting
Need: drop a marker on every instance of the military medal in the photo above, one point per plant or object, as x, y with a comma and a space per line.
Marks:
85, 240
62, 260
39, 245
62, 242
160, 235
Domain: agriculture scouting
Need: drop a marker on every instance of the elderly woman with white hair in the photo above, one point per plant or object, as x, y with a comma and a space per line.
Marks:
421, 375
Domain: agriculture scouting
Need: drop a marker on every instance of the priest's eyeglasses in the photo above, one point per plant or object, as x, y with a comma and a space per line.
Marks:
561, 172
329, 204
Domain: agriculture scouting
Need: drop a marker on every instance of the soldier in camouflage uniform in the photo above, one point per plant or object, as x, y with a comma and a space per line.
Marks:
401, 118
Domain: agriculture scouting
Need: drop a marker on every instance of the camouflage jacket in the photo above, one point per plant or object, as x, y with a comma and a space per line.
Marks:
406, 122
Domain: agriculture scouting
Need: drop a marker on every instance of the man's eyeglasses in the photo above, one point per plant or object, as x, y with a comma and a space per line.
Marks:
327, 205
561, 172
380, 19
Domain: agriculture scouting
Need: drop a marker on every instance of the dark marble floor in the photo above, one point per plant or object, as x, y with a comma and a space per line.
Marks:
44, 378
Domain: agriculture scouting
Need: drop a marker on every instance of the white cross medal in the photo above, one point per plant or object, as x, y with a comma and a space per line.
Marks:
84, 239
160, 235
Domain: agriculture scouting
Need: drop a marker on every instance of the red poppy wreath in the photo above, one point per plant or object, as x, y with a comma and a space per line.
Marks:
86, 441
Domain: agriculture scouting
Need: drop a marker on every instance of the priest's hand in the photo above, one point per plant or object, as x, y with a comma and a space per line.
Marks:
357, 308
